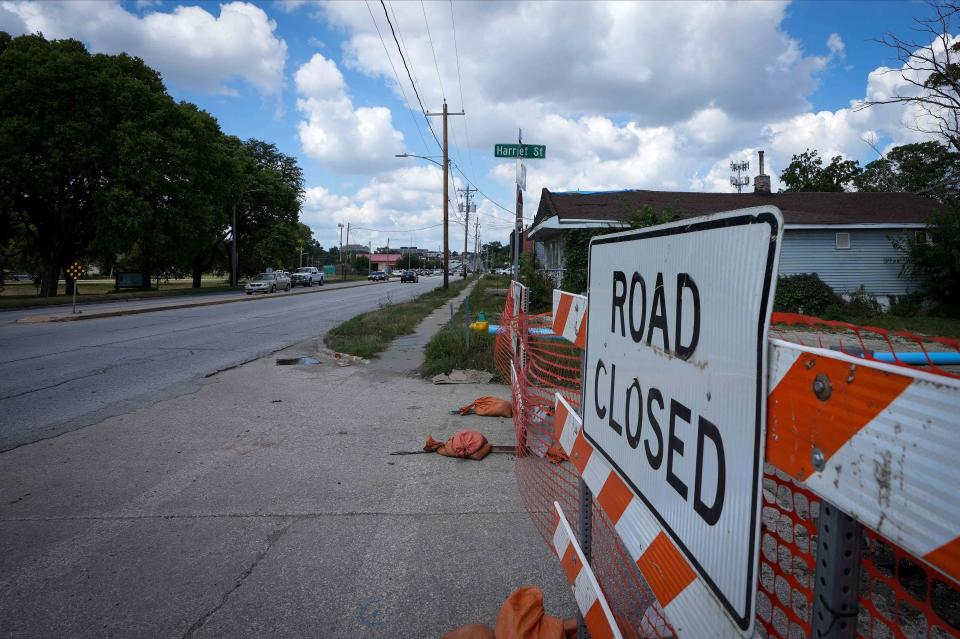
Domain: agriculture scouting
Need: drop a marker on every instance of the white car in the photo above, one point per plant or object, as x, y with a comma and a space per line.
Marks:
267, 283
307, 276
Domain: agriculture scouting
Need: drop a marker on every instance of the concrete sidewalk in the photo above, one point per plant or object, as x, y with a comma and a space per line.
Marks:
268, 504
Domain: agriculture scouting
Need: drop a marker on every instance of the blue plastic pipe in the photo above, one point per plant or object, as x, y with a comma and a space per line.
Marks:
919, 359
493, 329
914, 358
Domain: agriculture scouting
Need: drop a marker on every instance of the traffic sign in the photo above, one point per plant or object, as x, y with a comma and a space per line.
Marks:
525, 151
675, 384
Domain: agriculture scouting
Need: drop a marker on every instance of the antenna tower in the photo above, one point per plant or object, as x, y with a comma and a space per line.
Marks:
739, 180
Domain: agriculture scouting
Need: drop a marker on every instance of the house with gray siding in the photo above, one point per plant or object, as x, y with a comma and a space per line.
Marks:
845, 238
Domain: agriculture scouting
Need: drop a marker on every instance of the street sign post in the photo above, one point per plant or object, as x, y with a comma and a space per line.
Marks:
524, 151
75, 270
675, 384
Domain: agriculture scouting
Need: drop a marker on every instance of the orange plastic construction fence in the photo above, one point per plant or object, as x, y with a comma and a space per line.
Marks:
899, 596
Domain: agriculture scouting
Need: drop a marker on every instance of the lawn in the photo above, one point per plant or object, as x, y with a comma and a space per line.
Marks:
24, 294
461, 347
921, 324
370, 333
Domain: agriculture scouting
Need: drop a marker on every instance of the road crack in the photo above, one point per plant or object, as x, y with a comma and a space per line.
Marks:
271, 540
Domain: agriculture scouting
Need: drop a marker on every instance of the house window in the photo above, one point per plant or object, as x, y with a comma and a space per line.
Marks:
843, 241
924, 237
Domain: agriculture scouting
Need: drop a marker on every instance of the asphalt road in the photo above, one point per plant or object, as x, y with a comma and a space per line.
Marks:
58, 377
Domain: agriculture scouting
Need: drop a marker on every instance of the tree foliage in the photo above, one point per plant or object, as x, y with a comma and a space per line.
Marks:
807, 173
926, 168
98, 162
933, 258
930, 74
576, 246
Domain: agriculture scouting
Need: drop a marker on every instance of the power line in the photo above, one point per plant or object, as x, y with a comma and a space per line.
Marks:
406, 100
409, 75
425, 228
456, 50
492, 201
435, 62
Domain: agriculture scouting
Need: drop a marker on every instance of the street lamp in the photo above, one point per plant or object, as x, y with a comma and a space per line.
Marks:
446, 214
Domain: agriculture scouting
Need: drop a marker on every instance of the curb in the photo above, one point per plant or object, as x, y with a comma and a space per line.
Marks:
46, 319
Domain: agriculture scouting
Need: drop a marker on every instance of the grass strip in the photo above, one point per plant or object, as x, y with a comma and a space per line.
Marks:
454, 348
30, 301
372, 332
22, 294
923, 324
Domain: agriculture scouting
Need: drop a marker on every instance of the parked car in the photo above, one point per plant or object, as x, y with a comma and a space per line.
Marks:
409, 276
377, 276
307, 276
267, 283
283, 280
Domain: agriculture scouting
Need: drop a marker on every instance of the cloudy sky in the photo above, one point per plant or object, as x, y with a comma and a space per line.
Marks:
624, 95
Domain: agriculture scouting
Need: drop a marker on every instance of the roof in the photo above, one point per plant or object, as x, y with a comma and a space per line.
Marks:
798, 208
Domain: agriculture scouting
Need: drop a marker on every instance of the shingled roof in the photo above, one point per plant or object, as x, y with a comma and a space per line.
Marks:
798, 208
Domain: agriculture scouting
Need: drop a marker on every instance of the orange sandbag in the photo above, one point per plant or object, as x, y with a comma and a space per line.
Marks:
472, 631
556, 455
489, 406
467, 444
522, 617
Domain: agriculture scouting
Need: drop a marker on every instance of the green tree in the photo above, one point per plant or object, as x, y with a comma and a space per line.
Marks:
268, 208
498, 254
576, 245
934, 258
929, 64
165, 206
63, 114
807, 173
927, 168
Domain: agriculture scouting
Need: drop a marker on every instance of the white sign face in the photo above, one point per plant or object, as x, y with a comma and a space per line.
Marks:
675, 388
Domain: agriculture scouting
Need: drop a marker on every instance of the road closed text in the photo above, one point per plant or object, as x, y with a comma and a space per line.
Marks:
661, 429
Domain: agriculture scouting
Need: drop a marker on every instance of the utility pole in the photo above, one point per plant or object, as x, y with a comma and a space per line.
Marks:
340, 254
348, 246
233, 245
518, 226
446, 196
476, 246
466, 207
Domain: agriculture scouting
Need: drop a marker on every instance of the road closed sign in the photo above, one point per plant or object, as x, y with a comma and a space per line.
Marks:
675, 383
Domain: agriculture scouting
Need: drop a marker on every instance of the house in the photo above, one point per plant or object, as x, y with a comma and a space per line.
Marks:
386, 262
845, 238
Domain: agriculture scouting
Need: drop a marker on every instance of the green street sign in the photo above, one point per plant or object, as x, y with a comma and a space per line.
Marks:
524, 151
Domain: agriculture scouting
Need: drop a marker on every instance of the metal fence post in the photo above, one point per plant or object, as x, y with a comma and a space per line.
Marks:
466, 319
585, 506
834, 612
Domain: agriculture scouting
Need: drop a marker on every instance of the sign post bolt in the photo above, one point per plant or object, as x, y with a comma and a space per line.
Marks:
822, 388
819, 461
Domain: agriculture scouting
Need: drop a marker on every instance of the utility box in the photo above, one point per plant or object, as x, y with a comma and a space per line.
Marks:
131, 279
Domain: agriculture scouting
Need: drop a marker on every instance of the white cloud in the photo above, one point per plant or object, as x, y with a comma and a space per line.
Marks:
836, 46
653, 62
624, 95
342, 138
387, 207
289, 6
189, 46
